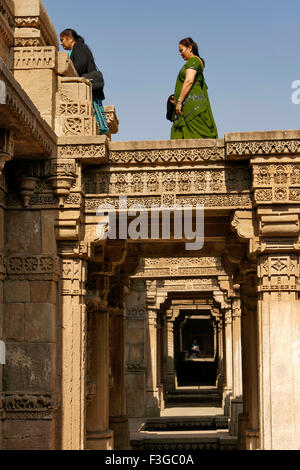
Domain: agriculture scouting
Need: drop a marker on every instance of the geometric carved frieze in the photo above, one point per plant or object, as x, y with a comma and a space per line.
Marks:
189, 284
263, 147
276, 182
179, 267
78, 125
278, 272
74, 276
226, 201
166, 155
28, 405
32, 267
83, 151
188, 180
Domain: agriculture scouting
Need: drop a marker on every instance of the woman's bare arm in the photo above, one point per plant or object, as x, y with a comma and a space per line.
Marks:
187, 85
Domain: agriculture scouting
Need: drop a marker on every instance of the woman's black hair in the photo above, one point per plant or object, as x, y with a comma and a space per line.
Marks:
72, 32
189, 42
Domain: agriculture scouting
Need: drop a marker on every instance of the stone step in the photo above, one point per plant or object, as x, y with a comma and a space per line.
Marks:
186, 423
188, 397
205, 440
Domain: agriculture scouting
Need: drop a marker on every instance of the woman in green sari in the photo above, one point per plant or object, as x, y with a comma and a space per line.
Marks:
193, 118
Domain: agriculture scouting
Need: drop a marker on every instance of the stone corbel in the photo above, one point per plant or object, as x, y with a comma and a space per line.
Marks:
225, 283
221, 298
244, 223
27, 186
61, 175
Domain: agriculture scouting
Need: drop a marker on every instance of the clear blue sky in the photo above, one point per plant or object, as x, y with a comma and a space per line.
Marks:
251, 49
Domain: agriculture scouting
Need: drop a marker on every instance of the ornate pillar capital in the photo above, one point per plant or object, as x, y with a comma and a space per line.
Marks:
278, 272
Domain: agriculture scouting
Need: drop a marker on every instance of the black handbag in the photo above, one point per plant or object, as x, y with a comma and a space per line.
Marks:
97, 80
170, 110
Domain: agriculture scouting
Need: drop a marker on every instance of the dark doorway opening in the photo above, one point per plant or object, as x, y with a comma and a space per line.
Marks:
195, 350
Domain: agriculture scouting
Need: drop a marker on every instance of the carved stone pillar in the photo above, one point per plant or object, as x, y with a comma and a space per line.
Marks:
248, 420
99, 436
278, 349
160, 362
152, 395
135, 310
118, 421
220, 369
170, 376
228, 360
73, 351
273, 327
237, 388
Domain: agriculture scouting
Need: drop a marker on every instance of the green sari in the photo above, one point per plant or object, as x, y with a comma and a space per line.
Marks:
197, 121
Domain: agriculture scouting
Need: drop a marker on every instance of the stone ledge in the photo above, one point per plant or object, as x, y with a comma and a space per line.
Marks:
34, 136
167, 144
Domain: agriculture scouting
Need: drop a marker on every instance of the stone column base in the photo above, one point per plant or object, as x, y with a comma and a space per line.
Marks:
243, 423
252, 439
101, 440
152, 403
227, 393
120, 427
236, 405
161, 398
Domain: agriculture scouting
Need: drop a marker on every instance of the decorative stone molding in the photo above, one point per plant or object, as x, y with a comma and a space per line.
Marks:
205, 181
277, 181
26, 58
32, 267
83, 152
29, 405
263, 147
170, 155
278, 273
73, 277
32, 23
74, 110
179, 267
223, 201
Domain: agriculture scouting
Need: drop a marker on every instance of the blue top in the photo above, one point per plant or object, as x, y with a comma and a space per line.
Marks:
70, 52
